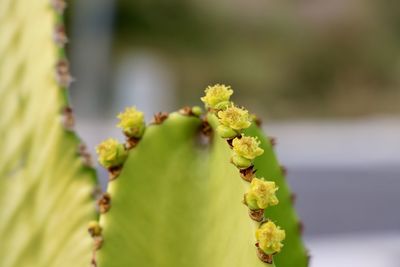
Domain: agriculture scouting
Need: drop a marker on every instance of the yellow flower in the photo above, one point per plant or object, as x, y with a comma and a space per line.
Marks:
111, 153
261, 194
131, 122
235, 118
217, 96
269, 237
247, 147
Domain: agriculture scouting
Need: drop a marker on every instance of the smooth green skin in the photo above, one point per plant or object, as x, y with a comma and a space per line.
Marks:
178, 203
294, 253
45, 190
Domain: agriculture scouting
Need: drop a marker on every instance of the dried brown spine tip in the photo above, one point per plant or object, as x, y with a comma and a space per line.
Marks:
68, 119
60, 36
257, 215
114, 172
104, 203
160, 117
248, 173
264, 257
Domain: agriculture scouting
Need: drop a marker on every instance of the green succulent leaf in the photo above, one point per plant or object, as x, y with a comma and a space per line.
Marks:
45, 187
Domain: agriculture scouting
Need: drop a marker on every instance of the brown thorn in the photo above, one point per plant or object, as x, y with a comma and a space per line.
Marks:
300, 227
160, 117
264, 257
206, 128
60, 36
284, 170
104, 203
131, 142
186, 111
229, 141
257, 215
58, 5
247, 174
114, 172
68, 119
98, 242
86, 157
273, 141
93, 262
63, 76
293, 198
258, 121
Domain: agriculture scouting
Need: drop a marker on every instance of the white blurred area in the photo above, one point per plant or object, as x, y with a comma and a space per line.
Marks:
374, 250
143, 80
373, 141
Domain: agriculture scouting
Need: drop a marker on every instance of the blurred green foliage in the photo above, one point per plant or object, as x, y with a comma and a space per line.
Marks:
308, 58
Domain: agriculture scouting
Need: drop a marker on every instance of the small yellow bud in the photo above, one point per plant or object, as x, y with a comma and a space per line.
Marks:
111, 153
217, 96
270, 237
94, 228
261, 194
132, 122
235, 118
247, 147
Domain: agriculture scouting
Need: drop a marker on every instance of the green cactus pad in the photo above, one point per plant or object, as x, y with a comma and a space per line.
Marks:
178, 202
45, 189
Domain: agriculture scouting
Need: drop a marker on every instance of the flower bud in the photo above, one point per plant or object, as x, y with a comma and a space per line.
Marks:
111, 153
247, 147
132, 122
217, 96
270, 237
235, 118
261, 194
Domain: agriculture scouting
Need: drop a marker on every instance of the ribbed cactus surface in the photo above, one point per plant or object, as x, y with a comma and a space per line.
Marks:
45, 184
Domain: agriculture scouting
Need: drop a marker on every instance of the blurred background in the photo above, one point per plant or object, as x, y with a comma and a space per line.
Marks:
323, 75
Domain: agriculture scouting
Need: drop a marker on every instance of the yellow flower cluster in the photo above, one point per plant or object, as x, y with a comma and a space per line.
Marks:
232, 121
111, 153
217, 96
245, 148
270, 237
132, 122
261, 194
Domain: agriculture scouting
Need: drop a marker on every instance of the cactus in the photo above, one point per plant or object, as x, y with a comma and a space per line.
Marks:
46, 183
178, 195
191, 189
